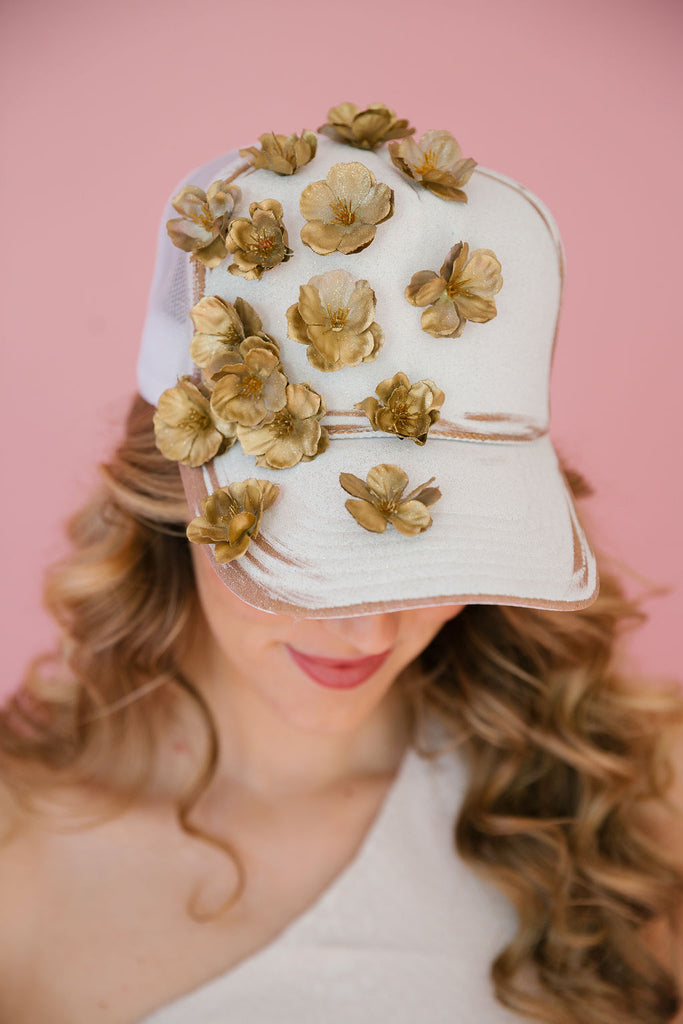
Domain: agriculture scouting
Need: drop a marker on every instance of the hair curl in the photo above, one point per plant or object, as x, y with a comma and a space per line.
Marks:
562, 752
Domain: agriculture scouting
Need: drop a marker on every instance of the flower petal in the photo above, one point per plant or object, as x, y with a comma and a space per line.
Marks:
367, 515
296, 326
240, 524
454, 262
411, 518
190, 202
221, 198
355, 348
376, 206
251, 321
228, 552
335, 289
385, 388
186, 234
212, 255
408, 151
316, 202
311, 307
327, 342
211, 315
322, 238
303, 401
355, 486
442, 320
444, 146
350, 183
443, 185
387, 482
425, 288
209, 350
356, 237
476, 308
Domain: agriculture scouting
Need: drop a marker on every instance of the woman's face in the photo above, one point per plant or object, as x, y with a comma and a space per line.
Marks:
322, 675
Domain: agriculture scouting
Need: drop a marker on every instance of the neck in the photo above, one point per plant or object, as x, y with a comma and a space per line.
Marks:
270, 756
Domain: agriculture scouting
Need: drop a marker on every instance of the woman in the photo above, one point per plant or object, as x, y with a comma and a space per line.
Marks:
380, 677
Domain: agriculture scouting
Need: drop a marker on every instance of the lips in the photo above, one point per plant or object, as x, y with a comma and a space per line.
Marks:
338, 673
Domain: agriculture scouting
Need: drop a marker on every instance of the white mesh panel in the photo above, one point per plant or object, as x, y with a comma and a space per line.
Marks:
166, 335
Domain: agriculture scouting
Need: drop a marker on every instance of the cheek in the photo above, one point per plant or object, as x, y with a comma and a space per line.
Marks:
425, 623
440, 614
223, 609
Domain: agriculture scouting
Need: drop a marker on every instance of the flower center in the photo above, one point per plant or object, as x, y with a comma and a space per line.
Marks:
205, 218
233, 509
263, 242
283, 424
195, 420
343, 214
402, 416
430, 160
251, 385
387, 506
337, 317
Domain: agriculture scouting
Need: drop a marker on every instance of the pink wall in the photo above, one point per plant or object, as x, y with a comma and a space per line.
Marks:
581, 100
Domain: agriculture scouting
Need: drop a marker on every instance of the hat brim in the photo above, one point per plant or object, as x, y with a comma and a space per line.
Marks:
505, 531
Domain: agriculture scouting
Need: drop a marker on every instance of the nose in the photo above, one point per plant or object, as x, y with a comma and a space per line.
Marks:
367, 634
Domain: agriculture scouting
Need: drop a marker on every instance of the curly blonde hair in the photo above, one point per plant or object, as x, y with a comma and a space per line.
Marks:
563, 753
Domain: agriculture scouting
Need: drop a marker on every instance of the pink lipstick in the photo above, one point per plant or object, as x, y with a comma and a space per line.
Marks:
338, 673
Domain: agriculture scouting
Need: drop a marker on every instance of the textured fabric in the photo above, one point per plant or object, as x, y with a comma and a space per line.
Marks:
406, 933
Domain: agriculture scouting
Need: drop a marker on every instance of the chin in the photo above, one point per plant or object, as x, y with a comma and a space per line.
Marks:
327, 712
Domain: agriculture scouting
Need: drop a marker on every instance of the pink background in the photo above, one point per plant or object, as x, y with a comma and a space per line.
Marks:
111, 104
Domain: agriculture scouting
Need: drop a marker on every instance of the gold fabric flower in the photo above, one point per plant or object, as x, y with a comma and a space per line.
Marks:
436, 162
380, 500
335, 318
260, 243
249, 391
293, 435
463, 290
220, 327
184, 427
344, 210
407, 410
232, 516
202, 227
283, 154
365, 129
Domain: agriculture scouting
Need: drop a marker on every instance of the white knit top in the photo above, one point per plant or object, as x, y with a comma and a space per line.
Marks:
405, 934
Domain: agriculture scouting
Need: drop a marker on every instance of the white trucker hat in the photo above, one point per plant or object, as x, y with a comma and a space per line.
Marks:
369, 320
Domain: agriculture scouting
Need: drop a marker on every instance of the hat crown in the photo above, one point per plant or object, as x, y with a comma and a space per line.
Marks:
495, 370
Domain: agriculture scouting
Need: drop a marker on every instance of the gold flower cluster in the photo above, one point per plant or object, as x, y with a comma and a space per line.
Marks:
202, 226
342, 212
342, 215
435, 162
242, 395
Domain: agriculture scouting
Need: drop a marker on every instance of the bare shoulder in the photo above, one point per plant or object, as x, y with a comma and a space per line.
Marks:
68, 879
20, 889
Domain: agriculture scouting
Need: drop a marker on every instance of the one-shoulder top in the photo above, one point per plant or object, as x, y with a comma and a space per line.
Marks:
404, 935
